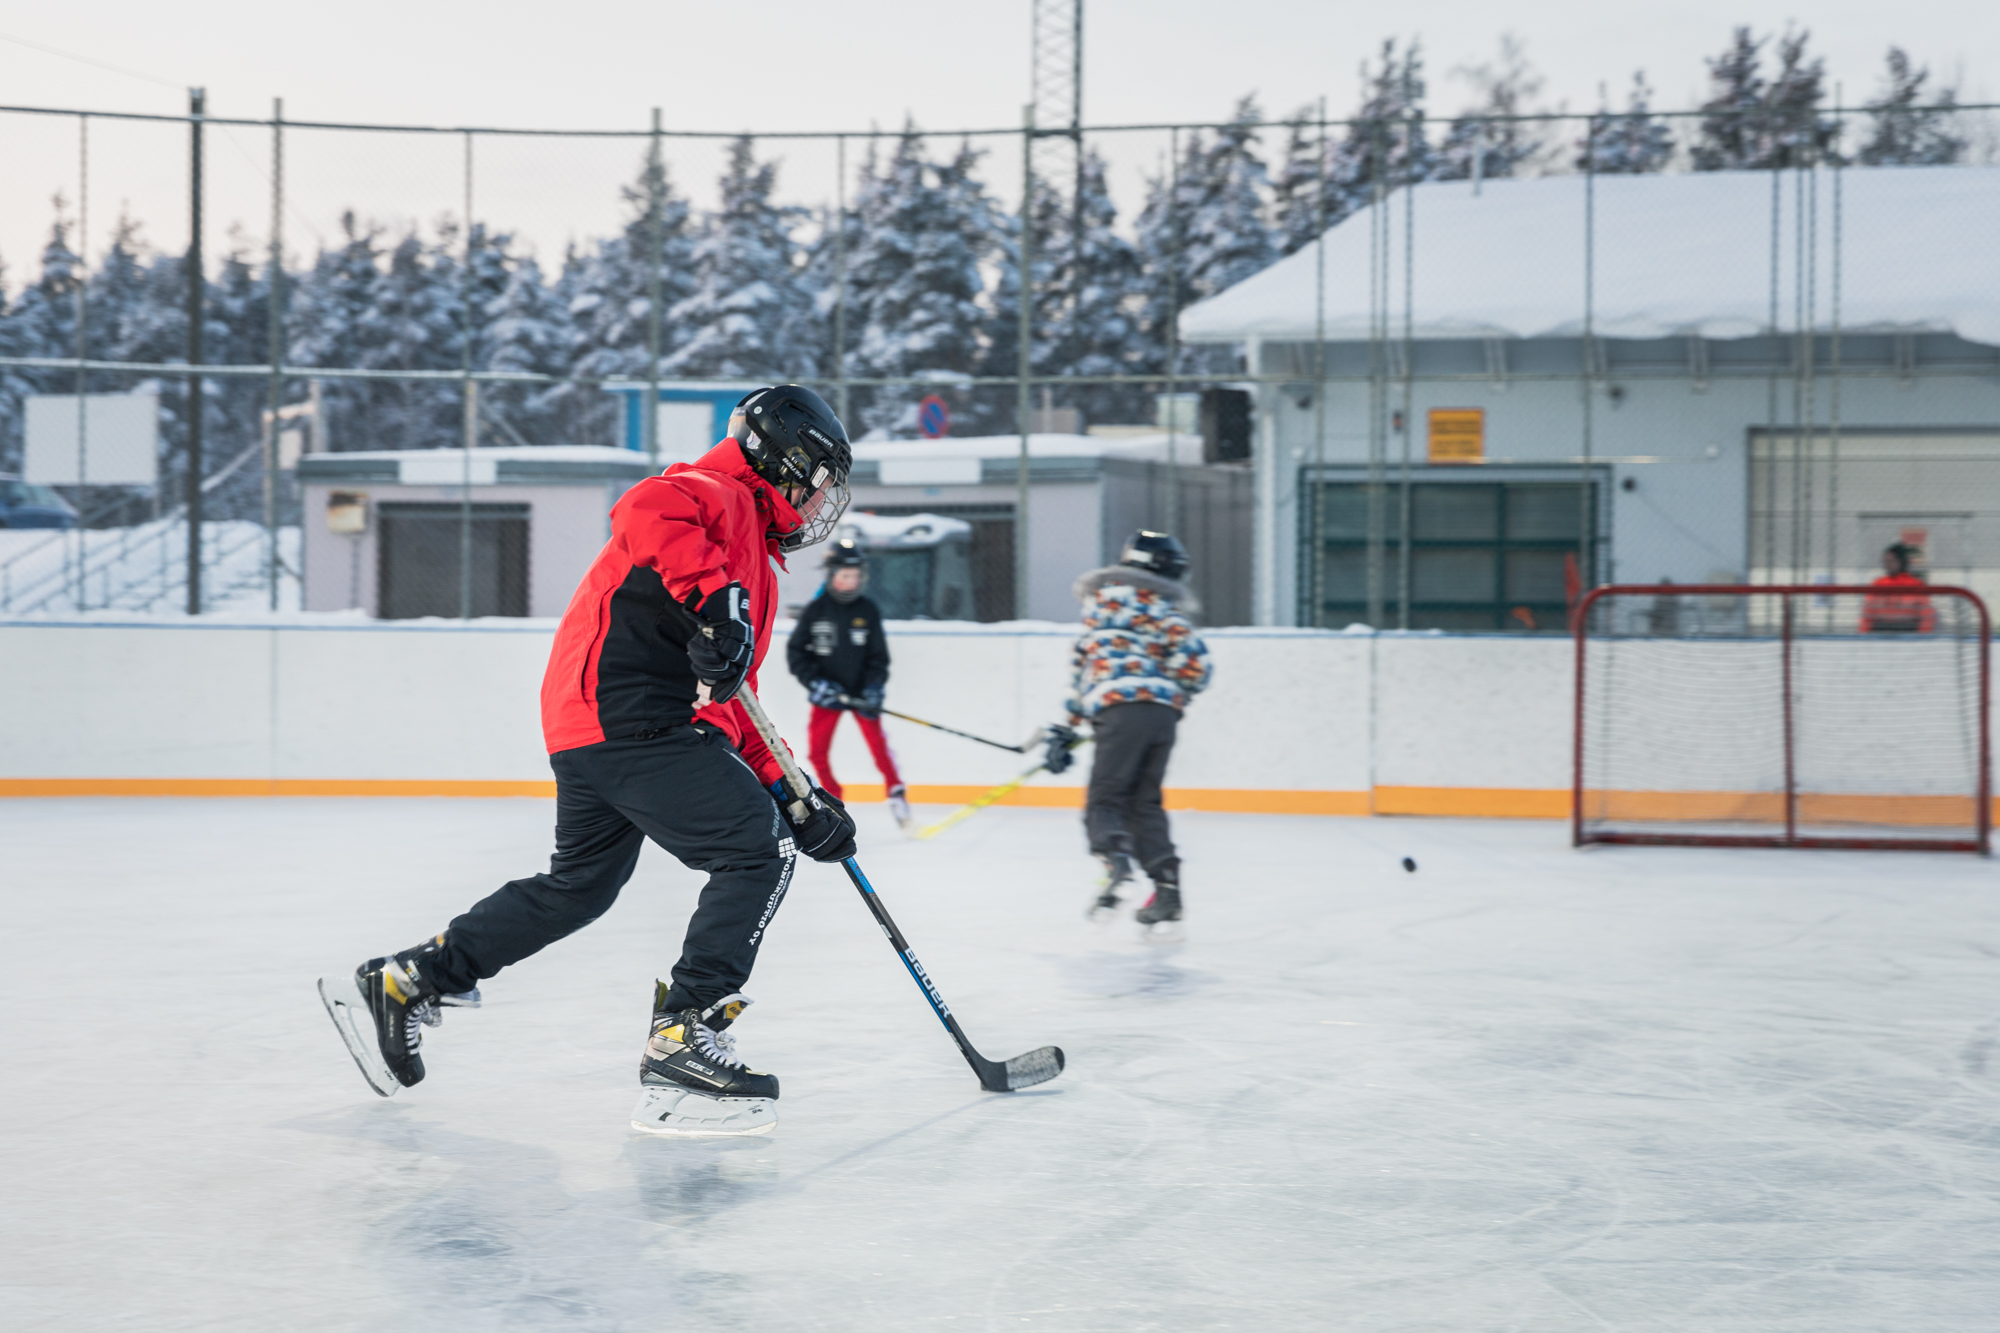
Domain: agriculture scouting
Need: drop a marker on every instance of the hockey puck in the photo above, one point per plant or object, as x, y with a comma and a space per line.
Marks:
1410, 864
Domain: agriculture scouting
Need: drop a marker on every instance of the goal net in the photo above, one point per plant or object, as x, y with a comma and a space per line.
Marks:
1814, 716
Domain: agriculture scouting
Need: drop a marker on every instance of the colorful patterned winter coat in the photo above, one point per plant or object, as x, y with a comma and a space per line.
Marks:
1137, 646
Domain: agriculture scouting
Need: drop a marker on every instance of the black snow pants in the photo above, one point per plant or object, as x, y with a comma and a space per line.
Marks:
1122, 809
689, 791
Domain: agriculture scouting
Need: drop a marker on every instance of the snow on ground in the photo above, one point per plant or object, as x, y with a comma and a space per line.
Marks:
1522, 1088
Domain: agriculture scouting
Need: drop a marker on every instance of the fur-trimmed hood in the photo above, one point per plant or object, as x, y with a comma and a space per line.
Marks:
1087, 585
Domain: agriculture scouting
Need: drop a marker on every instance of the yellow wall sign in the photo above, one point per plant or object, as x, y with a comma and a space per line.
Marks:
1458, 434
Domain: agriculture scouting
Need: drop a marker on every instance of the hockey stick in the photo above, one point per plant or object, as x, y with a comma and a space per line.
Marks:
1023, 1071
860, 706
999, 793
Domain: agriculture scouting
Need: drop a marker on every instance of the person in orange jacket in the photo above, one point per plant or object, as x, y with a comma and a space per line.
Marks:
1898, 611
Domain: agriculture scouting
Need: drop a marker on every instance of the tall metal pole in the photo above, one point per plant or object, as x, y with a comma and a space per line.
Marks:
1378, 240
471, 409
1317, 526
1771, 397
276, 318
1403, 507
82, 353
1833, 367
1076, 276
1584, 514
1173, 329
840, 276
1026, 250
195, 313
655, 244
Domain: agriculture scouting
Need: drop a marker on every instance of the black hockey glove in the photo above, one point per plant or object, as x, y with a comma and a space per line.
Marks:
823, 693
721, 652
871, 701
1057, 749
827, 831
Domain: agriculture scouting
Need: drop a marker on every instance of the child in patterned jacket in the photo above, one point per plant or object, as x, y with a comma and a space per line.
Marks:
1136, 666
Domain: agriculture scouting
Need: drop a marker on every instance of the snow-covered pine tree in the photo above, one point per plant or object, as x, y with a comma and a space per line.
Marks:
237, 333
1295, 201
611, 295
749, 316
1384, 141
1801, 133
1909, 126
421, 323
1485, 140
336, 320
1096, 328
919, 267
527, 332
995, 408
1629, 142
1225, 236
1165, 288
1732, 129
1750, 123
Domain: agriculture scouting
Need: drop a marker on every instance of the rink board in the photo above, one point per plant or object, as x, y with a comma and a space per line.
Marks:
1296, 722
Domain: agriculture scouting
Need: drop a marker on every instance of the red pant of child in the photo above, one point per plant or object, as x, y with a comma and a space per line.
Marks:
819, 744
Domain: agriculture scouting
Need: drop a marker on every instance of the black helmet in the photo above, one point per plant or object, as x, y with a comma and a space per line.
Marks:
846, 554
1157, 553
792, 439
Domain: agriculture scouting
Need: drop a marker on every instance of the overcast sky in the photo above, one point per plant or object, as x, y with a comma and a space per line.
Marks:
777, 65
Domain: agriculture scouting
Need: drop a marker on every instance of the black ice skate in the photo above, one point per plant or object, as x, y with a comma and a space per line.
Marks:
691, 1082
1160, 919
899, 806
399, 1003
1117, 874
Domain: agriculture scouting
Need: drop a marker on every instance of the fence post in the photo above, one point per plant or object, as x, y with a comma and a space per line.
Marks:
196, 279
1026, 258
82, 355
471, 395
649, 420
276, 319
840, 279
1585, 513
1173, 328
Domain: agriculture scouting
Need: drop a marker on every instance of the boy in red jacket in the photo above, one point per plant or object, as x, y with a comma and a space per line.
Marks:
647, 741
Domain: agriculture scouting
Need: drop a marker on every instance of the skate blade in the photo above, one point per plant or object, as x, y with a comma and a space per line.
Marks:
348, 1020
1162, 932
674, 1112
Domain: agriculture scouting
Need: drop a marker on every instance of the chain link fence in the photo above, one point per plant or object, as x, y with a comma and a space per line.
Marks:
1443, 373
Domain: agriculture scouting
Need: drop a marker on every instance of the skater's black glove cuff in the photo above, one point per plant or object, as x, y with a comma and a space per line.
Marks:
721, 652
826, 833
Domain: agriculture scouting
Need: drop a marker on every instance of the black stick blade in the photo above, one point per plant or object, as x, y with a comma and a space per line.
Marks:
1038, 1066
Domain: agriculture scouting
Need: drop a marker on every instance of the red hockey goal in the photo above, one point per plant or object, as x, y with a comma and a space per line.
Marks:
1783, 716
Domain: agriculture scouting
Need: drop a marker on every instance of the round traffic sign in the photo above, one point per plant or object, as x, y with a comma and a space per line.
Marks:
934, 417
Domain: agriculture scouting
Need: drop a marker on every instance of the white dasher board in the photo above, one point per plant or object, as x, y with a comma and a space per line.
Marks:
120, 440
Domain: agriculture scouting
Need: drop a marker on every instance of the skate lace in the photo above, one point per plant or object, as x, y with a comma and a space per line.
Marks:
717, 1046
421, 1015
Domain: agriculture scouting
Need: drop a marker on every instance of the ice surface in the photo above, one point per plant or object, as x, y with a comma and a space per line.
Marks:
1522, 1088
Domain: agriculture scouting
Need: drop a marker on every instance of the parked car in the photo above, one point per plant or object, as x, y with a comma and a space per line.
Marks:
25, 505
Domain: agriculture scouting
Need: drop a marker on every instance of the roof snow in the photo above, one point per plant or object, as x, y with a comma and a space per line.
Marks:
1675, 255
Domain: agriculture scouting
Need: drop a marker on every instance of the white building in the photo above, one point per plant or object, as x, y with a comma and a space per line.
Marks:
1618, 397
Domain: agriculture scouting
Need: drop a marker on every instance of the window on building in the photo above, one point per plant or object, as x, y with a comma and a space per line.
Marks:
1481, 556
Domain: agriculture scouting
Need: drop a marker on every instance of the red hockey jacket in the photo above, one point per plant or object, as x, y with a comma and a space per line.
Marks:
1906, 609
619, 667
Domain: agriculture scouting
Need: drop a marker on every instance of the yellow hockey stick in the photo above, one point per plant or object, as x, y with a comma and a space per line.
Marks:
999, 793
